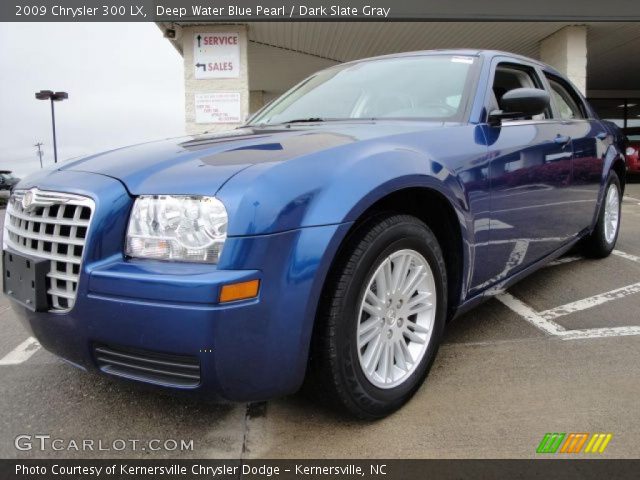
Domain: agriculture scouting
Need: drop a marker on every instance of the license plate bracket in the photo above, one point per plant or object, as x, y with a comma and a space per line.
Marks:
25, 280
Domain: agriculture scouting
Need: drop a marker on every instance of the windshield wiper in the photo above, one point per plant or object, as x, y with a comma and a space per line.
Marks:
313, 120
304, 120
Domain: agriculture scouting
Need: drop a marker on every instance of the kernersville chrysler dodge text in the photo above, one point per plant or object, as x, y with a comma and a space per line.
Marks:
330, 239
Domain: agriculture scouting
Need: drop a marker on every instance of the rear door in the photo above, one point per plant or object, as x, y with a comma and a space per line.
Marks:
589, 141
530, 178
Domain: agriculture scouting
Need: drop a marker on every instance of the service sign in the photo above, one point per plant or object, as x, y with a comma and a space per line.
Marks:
218, 107
216, 55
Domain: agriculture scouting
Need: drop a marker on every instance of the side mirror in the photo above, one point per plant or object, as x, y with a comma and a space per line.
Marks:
520, 103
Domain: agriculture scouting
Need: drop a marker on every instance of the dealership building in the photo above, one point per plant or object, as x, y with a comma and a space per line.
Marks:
231, 70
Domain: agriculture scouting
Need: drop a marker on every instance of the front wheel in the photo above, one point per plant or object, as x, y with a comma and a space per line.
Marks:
603, 239
382, 317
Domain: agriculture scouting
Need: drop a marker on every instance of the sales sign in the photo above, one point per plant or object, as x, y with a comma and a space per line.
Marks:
218, 107
216, 55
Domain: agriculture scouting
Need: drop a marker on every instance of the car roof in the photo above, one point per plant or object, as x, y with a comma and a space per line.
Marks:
458, 51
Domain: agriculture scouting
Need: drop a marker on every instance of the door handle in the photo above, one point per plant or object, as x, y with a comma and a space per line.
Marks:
562, 139
602, 135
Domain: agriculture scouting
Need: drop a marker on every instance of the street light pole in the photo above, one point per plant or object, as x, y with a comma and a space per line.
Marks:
53, 97
53, 123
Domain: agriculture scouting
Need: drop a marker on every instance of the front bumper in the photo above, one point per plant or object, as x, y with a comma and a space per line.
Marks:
247, 350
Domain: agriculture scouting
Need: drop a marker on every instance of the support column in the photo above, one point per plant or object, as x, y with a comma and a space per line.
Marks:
566, 51
256, 100
196, 86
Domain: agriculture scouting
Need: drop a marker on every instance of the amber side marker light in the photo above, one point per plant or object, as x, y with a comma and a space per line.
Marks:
239, 291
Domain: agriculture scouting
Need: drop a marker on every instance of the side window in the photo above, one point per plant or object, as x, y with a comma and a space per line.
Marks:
509, 77
568, 104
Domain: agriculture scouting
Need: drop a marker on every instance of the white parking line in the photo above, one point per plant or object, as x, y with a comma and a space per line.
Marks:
581, 334
590, 302
530, 315
552, 328
628, 256
21, 353
544, 320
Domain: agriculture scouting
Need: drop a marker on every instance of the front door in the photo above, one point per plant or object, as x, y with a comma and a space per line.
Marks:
530, 176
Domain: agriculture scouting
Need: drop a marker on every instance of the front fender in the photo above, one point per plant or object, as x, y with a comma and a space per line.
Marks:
335, 186
329, 188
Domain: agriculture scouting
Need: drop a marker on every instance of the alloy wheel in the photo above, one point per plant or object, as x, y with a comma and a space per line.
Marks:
611, 214
396, 318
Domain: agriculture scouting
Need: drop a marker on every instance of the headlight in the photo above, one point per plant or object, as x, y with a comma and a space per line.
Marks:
179, 228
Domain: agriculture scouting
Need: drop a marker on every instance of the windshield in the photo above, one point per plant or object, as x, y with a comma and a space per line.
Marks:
422, 87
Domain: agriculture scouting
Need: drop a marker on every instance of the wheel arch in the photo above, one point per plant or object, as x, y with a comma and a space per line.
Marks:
437, 211
619, 166
615, 162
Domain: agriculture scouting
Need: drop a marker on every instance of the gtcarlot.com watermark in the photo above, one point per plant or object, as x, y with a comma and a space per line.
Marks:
43, 443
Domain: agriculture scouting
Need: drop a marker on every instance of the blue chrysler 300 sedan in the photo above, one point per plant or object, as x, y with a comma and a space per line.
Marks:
329, 239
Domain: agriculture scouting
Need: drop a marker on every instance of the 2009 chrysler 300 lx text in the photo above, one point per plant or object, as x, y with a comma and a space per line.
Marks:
330, 238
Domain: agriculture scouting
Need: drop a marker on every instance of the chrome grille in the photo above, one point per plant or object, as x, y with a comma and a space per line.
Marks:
51, 225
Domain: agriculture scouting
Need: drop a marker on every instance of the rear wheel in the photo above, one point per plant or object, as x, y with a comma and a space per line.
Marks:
603, 239
381, 318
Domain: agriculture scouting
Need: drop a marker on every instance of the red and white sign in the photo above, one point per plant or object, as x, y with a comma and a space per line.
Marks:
216, 55
218, 107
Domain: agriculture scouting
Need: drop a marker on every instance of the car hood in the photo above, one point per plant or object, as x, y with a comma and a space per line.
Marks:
201, 164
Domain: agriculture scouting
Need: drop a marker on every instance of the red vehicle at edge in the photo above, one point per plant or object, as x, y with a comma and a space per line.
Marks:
632, 152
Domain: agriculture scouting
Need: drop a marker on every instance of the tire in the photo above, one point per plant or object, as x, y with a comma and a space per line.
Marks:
387, 243
601, 242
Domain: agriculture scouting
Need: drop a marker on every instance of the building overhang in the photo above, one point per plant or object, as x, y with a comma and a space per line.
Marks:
613, 62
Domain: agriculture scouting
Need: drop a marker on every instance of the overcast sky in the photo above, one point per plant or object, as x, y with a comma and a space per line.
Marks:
124, 82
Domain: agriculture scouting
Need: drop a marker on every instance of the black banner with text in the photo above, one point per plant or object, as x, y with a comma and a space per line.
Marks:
584, 469
315, 10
